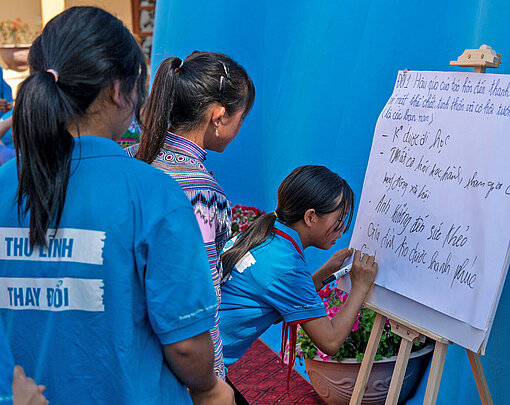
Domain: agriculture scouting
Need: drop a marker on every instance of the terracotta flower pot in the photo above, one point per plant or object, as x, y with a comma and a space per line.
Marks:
334, 381
15, 57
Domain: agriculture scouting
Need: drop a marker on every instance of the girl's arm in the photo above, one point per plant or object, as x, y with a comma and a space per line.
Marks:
5, 125
330, 267
329, 335
191, 360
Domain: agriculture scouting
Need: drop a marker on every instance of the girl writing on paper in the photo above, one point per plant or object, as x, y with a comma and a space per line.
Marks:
267, 273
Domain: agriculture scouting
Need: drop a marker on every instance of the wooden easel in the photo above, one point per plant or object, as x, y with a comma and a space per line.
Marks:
479, 59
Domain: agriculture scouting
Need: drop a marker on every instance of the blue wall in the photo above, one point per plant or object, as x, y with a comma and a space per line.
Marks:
323, 71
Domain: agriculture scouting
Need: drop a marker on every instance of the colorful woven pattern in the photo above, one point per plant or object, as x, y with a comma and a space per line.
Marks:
184, 161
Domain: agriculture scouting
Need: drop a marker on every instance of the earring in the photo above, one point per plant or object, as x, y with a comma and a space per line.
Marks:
217, 133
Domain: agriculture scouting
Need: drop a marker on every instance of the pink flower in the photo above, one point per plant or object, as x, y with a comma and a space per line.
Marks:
339, 293
331, 312
323, 356
356, 325
324, 293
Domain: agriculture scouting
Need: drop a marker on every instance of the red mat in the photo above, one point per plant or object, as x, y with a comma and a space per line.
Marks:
260, 377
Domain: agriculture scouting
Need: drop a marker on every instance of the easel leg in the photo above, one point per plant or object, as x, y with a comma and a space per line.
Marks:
368, 360
399, 372
481, 382
436, 372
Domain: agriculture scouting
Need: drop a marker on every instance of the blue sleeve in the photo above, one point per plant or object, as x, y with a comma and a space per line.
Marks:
6, 154
6, 91
6, 369
7, 138
180, 295
293, 295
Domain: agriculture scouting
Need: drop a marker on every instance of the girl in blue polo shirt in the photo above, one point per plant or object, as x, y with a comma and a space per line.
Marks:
267, 274
98, 250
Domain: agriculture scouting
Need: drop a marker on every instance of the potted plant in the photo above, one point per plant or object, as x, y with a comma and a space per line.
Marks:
15, 40
333, 377
243, 216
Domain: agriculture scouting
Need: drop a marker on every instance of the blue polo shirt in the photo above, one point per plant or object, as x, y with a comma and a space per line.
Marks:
126, 273
5, 90
6, 154
6, 369
7, 138
7, 149
269, 282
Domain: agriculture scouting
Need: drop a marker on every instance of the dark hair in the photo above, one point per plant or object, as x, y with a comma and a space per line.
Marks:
35, 56
89, 50
182, 92
304, 188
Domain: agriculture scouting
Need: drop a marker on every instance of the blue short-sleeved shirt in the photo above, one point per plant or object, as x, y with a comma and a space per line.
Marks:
5, 89
126, 273
6, 154
269, 282
7, 138
6, 369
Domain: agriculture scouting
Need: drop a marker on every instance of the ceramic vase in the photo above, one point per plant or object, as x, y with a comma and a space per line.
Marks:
334, 381
15, 57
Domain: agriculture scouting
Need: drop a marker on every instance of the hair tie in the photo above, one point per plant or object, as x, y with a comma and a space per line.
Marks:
54, 73
275, 214
180, 66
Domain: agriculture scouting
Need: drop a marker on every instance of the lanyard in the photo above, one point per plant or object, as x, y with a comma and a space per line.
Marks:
289, 330
289, 238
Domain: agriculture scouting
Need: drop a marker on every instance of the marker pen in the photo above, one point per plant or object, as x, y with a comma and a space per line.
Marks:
340, 273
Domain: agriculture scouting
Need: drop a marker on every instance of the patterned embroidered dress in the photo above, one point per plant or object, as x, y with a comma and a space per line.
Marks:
184, 161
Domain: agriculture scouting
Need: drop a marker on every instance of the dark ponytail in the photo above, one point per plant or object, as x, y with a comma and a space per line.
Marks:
158, 110
79, 53
44, 150
182, 92
305, 187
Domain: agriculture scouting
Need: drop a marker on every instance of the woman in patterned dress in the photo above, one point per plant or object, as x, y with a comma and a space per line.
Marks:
197, 104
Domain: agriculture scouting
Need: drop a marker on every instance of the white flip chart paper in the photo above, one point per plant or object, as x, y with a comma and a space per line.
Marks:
435, 205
